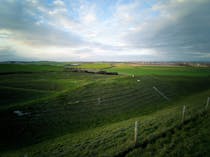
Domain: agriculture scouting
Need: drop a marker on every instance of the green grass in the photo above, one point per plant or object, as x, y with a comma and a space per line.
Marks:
121, 99
9, 95
109, 140
19, 87
191, 140
161, 70
95, 66
66, 117
14, 68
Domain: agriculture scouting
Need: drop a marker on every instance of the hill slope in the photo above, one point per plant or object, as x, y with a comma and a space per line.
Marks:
79, 114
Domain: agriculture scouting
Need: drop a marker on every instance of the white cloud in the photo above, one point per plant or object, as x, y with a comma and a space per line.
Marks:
74, 30
59, 3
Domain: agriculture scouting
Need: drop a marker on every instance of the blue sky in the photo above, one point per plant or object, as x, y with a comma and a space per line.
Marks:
105, 30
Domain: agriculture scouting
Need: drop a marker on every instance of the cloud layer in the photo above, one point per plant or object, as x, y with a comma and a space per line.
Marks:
123, 30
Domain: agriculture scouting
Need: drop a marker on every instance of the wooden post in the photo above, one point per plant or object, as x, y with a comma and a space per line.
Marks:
99, 101
136, 133
183, 113
207, 103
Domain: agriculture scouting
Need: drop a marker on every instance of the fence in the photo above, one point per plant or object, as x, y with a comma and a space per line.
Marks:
182, 120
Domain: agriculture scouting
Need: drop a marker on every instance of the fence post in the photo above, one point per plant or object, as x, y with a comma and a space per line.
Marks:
136, 133
207, 103
99, 101
183, 113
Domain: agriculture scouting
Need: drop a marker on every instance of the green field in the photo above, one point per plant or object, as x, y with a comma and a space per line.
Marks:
75, 114
15, 68
95, 66
162, 70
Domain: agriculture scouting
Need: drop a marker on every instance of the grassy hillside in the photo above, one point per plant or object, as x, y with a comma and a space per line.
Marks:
14, 68
80, 114
192, 139
112, 139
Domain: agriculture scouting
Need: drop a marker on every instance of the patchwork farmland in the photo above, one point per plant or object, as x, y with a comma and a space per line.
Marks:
48, 110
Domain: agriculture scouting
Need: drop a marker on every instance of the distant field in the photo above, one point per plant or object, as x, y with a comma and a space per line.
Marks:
94, 66
73, 114
161, 70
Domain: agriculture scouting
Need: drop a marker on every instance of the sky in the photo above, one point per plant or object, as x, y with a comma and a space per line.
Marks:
105, 30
